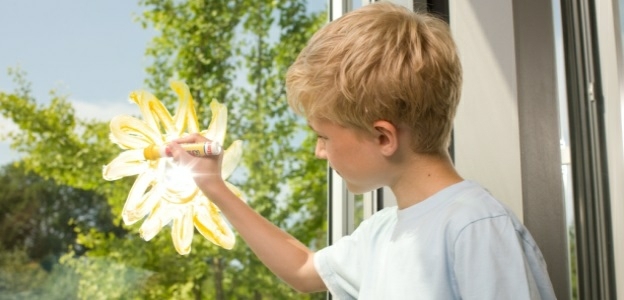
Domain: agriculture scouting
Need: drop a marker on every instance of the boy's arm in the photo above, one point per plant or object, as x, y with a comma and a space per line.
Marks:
284, 255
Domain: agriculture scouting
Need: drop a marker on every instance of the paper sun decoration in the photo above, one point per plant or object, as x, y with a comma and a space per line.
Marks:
163, 192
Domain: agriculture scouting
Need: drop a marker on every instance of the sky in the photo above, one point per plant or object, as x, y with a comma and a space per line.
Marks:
92, 51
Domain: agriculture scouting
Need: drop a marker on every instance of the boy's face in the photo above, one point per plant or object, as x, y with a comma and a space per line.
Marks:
352, 153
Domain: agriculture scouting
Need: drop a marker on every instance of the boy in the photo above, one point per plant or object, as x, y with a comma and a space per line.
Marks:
380, 87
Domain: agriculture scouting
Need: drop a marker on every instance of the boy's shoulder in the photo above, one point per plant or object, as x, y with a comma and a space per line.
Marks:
474, 200
455, 207
465, 198
475, 204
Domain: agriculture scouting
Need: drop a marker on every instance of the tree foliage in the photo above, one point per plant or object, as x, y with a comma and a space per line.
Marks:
39, 222
56, 144
209, 44
42, 217
236, 52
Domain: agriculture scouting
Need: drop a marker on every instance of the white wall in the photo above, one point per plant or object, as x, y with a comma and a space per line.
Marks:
487, 145
611, 50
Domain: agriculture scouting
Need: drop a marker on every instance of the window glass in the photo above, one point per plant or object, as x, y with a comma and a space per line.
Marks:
566, 167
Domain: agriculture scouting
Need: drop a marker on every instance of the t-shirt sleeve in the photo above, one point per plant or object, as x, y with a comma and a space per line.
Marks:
340, 265
495, 260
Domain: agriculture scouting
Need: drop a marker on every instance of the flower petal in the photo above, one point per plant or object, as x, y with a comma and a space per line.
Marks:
131, 133
231, 158
139, 202
218, 123
160, 216
127, 163
154, 112
182, 231
185, 118
212, 225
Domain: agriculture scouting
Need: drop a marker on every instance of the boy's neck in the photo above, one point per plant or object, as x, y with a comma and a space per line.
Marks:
422, 176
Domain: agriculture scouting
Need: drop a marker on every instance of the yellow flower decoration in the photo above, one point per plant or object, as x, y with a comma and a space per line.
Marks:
163, 193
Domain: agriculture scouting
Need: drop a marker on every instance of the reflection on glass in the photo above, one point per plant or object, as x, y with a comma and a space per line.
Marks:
566, 167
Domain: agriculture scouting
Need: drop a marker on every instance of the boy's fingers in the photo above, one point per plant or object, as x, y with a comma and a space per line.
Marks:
175, 150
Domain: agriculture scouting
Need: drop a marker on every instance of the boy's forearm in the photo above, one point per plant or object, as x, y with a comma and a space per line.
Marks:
284, 255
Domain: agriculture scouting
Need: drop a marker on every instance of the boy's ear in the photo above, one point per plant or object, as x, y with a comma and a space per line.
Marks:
387, 137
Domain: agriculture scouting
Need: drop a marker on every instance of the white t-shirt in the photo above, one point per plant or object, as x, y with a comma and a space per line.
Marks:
460, 243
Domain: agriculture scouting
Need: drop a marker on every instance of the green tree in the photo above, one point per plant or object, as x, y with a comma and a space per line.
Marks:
21, 278
236, 52
41, 217
209, 44
39, 221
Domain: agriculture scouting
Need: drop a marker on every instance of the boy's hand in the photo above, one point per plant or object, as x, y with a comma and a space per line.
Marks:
206, 170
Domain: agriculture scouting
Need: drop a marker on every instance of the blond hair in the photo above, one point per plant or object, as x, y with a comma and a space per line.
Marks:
381, 62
